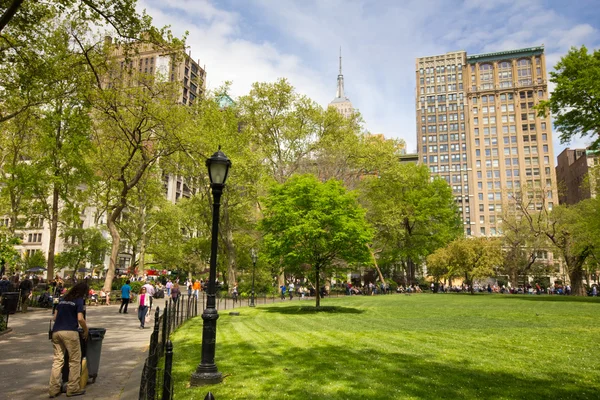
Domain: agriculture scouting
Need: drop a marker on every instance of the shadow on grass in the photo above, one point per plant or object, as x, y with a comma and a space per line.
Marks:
302, 310
555, 298
344, 372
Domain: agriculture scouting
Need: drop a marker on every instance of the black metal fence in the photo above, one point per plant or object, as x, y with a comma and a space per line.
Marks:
157, 382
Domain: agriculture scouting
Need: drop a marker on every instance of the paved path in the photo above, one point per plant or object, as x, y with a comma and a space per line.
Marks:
26, 355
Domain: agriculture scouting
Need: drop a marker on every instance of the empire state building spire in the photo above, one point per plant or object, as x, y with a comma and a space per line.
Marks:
340, 80
341, 102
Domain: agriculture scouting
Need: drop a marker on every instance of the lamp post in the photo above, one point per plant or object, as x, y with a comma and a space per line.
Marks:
207, 373
254, 256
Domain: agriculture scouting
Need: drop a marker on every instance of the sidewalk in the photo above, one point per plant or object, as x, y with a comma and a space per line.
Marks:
26, 356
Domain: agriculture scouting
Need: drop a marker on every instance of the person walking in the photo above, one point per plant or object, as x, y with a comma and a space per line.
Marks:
196, 286
65, 338
169, 286
144, 303
234, 293
149, 289
175, 292
125, 296
283, 288
291, 287
25, 287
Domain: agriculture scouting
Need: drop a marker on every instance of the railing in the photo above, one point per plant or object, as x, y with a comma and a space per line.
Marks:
157, 382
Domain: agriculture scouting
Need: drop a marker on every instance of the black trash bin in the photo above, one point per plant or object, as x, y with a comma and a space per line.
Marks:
93, 351
10, 302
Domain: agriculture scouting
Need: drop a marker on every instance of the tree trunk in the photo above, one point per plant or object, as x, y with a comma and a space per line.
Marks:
576, 277
318, 288
114, 252
231, 273
375, 263
53, 233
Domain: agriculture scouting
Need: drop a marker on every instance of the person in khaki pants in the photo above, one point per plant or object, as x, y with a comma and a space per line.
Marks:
65, 337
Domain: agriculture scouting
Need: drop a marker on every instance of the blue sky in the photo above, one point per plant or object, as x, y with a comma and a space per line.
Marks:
246, 41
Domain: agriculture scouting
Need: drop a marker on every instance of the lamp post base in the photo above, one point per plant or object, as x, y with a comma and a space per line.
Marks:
206, 378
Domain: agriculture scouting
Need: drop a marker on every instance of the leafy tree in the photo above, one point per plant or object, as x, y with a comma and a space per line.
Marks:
63, 139
35, 259
283, 124
82, 245
135, 125
9, 256
314, 227
521, 247
412, 214
18, 146
563, 229
471, 258
575, 102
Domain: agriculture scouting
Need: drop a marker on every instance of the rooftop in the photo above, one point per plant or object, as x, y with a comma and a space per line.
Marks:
500, 55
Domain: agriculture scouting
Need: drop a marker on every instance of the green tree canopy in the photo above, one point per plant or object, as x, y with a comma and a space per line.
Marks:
412, 214
472, 258
314, 226
575, 102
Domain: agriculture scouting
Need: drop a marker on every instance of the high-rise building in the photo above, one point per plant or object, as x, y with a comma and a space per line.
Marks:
341, 102
174, 65
477, 128
574, 165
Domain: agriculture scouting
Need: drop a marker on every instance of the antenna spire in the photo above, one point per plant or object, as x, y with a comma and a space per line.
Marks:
340, 80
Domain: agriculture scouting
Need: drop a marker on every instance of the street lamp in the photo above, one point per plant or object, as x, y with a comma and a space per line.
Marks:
254, 256
207, 373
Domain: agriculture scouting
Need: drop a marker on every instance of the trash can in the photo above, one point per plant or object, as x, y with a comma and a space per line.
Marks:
10, 302
94, 349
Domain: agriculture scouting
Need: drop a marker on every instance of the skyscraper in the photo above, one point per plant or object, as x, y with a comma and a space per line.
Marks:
341, 102
477, 129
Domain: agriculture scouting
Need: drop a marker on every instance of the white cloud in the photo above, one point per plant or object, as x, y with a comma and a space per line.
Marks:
265, 39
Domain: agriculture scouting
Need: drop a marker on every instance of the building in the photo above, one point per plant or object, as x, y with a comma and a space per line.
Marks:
478, 130
574, 165
341, 102
175, 65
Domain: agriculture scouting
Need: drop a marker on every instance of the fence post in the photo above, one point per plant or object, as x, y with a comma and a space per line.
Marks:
153, 357
196, 308
167, 391
165, 334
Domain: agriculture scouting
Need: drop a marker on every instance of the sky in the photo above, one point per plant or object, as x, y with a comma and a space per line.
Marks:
247, 41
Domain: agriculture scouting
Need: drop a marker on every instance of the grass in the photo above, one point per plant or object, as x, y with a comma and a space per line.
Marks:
402, 347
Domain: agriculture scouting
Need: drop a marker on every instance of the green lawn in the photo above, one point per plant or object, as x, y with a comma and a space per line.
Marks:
401, 347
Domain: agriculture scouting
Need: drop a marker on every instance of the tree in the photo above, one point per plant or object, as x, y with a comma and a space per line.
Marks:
522, 248
64, 132
471, 258
137, 121
563, 229
412, 214
314, 225
575, 102
284, 126
9, 256
82, 246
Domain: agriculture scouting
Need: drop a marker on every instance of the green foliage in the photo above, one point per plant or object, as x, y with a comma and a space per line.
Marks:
471, 258
136, 286
412, 214
575, 101
82, 245
35, 260
311, 227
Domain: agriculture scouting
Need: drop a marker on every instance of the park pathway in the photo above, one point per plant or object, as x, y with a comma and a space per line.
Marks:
26, 354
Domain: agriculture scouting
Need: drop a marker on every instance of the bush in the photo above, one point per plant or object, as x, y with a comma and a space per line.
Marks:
136, 286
